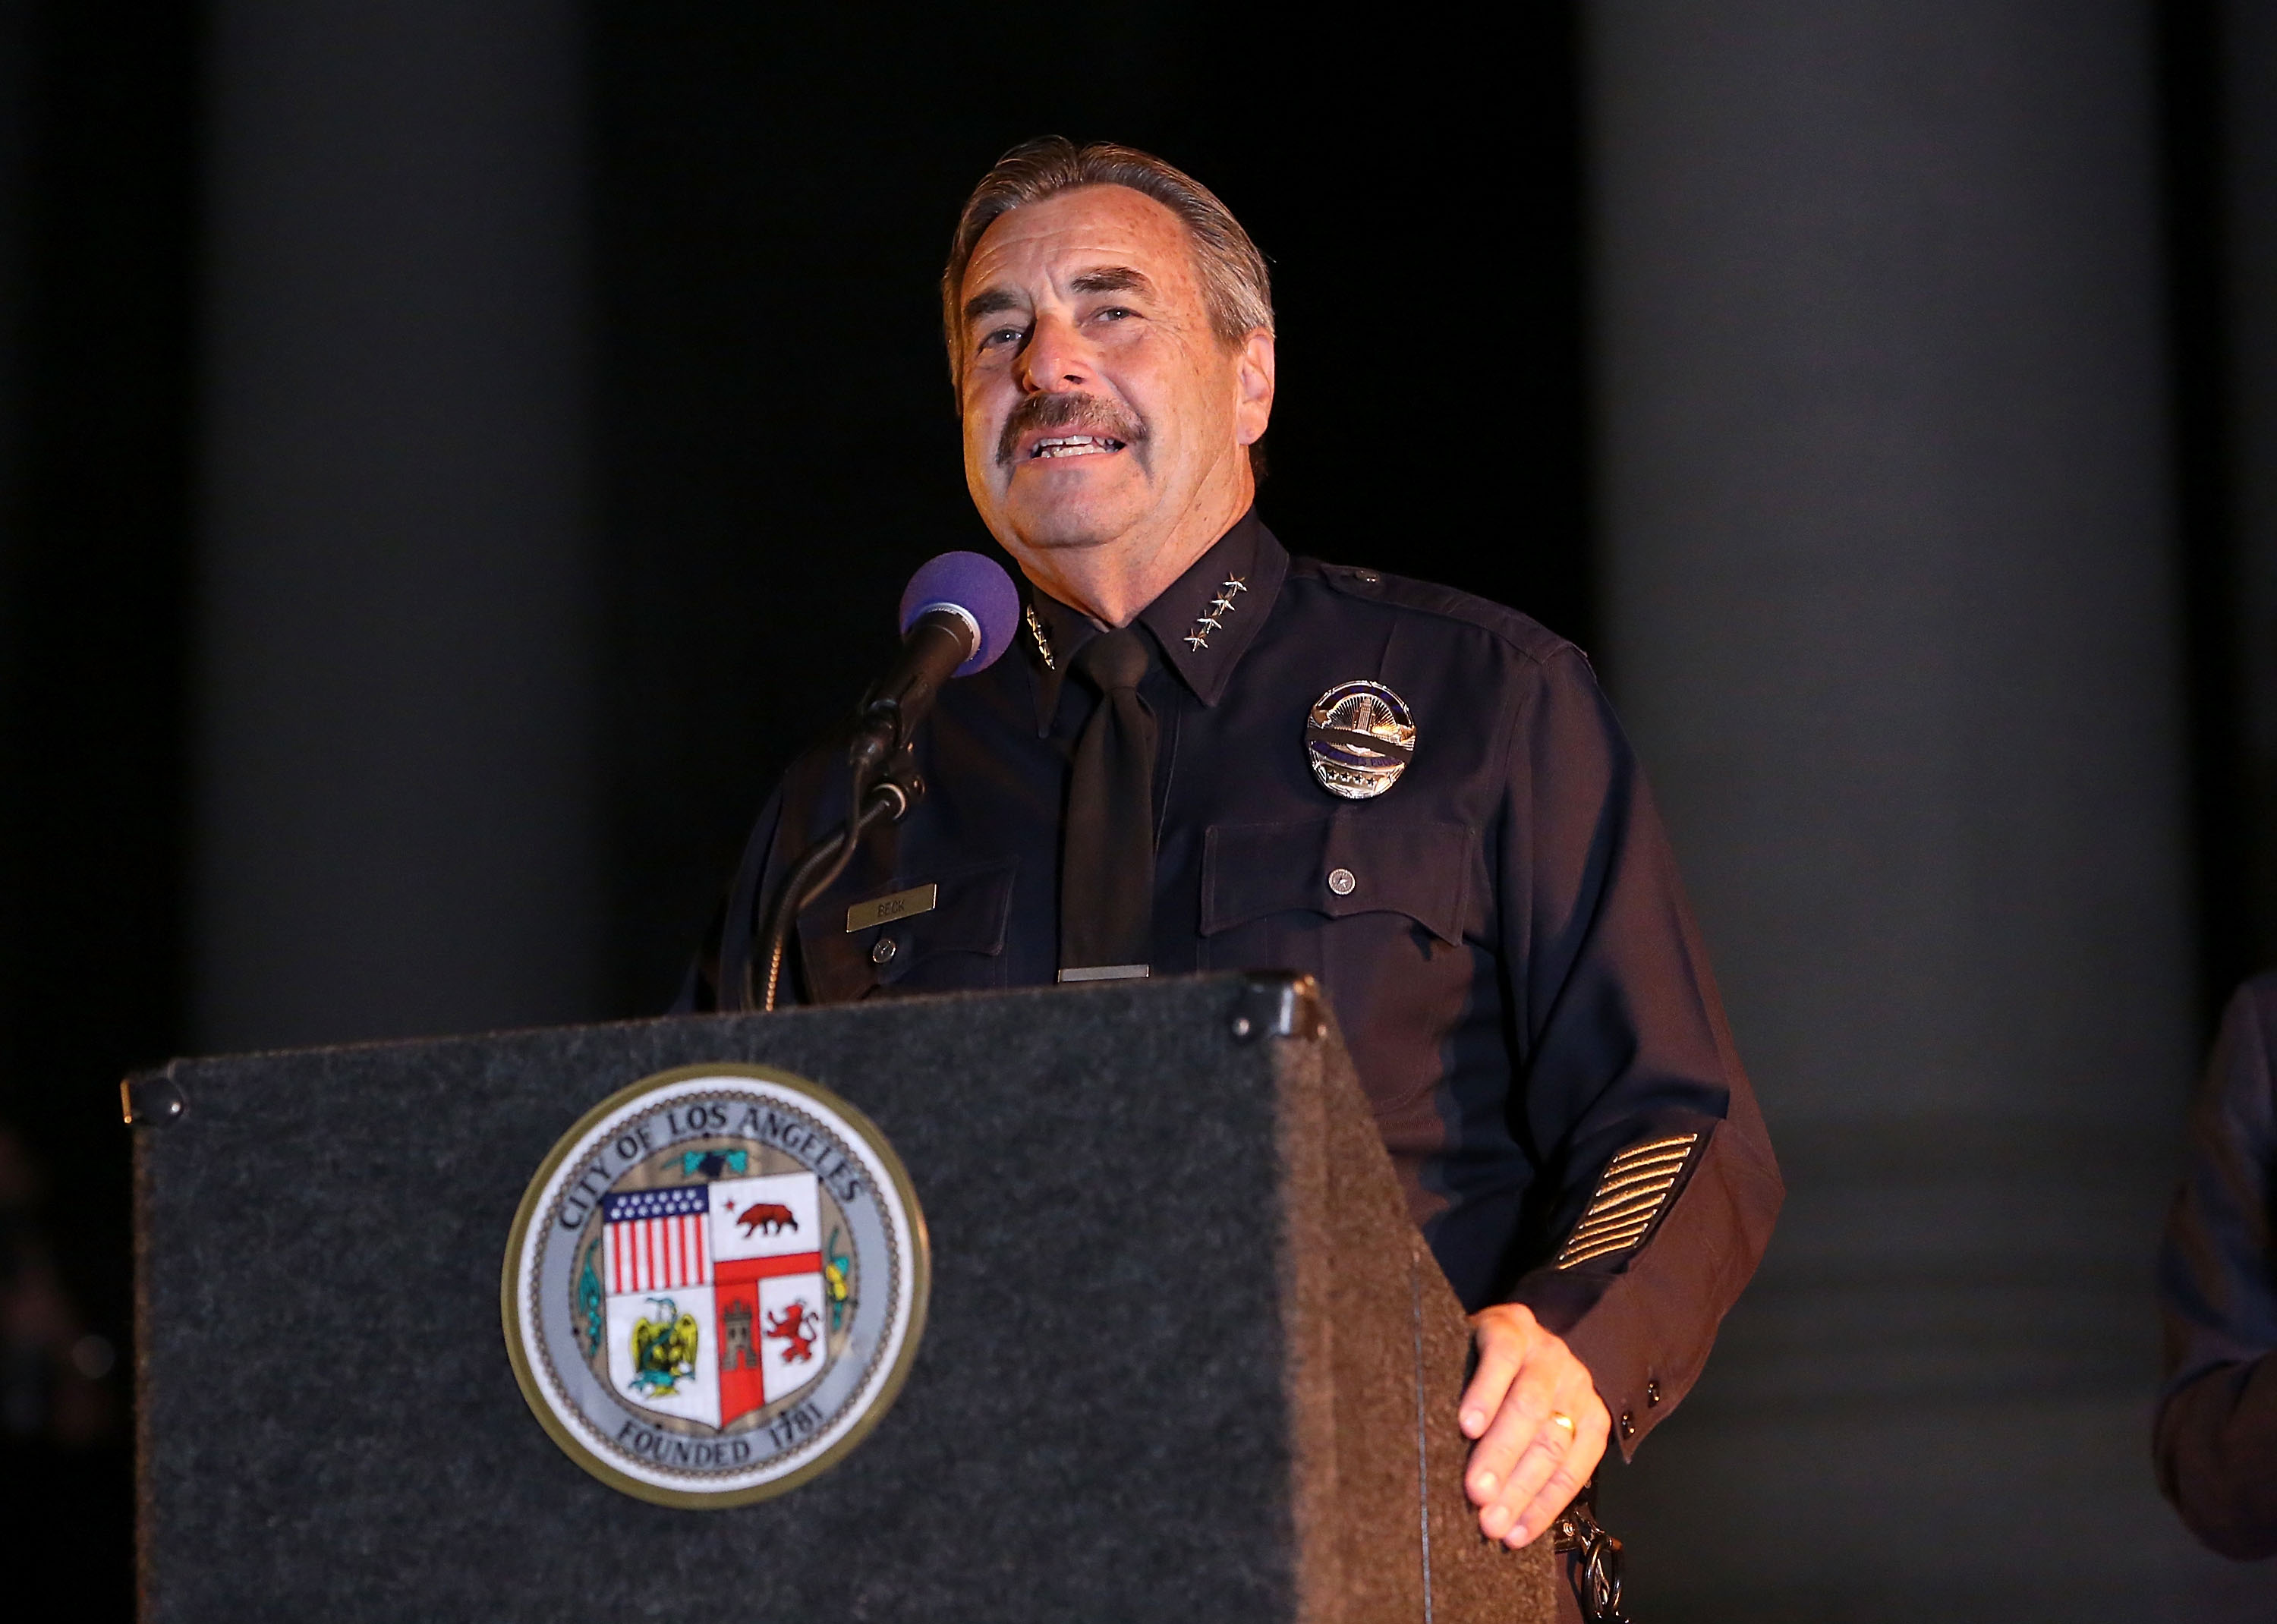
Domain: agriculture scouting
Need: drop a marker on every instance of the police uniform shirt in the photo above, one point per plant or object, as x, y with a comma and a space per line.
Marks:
1501, 932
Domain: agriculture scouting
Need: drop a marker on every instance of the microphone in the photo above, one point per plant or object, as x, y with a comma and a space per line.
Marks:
959, 613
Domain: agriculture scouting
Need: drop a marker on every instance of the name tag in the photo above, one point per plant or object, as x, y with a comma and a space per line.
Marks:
900, 905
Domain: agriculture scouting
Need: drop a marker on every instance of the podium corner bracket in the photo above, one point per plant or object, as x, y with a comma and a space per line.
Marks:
150, 1099
1277, 1004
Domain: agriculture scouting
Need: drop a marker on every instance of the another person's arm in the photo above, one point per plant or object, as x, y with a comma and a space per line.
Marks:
2215, 1439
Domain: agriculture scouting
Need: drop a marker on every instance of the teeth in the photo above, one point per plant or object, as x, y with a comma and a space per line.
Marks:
1075, 445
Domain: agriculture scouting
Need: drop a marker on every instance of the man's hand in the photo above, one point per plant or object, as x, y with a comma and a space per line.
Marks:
1540, 1425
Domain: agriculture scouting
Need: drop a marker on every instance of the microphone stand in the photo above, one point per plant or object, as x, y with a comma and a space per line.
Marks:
936, 643
887, 801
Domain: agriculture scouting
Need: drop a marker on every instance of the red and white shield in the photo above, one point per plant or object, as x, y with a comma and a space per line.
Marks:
767, 1289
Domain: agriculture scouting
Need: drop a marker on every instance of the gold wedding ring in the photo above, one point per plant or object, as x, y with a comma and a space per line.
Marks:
1559, 1418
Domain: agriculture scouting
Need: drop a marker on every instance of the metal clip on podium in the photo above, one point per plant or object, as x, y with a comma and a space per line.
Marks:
1088, 1304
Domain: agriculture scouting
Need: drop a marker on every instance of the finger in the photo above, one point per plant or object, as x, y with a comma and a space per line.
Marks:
1558, 1488
1525, 1410
1544, 1455
1502, 1340
1525, 1407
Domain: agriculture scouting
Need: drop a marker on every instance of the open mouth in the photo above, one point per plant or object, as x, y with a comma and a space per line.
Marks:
1053, 428
1074, 445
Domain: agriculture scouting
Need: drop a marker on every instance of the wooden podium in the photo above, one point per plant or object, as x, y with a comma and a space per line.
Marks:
1183, 1356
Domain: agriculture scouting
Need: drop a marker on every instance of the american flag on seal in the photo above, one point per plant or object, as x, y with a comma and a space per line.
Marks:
657, 1240
656, 1260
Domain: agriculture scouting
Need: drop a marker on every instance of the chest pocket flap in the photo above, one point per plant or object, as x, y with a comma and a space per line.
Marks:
1338, 866
969, 915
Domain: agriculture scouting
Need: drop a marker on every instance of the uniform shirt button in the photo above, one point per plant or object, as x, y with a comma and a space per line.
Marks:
883, 951
1341, 882
1652, 1392
1629, 1425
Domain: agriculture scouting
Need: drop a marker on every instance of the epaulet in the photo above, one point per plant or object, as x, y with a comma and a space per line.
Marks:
1522, 633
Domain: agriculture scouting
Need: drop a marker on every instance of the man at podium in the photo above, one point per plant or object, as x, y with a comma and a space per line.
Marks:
1207, 754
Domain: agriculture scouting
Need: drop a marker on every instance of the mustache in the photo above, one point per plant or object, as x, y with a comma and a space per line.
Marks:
1086, 413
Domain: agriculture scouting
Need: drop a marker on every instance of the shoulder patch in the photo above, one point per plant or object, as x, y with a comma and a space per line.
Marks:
1521, 632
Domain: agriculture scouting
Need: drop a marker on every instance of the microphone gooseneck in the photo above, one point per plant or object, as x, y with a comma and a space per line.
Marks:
958, 614
816, 869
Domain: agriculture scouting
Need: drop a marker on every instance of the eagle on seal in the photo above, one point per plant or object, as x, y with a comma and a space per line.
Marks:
664, 1349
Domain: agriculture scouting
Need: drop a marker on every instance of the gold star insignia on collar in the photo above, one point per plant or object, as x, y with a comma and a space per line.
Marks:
1213, 617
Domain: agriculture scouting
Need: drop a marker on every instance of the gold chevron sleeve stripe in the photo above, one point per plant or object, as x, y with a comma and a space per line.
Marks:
1612, 1188
1626, 1234
1674, 1142
1568, 1260
1620, 1175
1630, 1194
1591, 1229
1611, 1214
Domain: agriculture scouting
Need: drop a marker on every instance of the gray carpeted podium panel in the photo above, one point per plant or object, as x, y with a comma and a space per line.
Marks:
1186, 1357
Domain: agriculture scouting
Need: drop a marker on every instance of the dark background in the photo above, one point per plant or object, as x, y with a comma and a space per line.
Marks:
775, 419
451, 456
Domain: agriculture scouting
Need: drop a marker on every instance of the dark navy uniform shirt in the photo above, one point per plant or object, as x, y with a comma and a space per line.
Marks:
2216, 1436
1500, 934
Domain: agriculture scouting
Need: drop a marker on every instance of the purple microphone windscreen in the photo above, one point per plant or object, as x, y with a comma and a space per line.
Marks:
976, 584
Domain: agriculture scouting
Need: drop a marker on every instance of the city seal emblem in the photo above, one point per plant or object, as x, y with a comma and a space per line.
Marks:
715, 1285
1360, 739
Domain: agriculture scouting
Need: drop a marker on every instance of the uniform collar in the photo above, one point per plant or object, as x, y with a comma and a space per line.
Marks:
1203, 621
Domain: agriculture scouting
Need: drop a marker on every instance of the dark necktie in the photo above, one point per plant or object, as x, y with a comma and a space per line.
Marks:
1107, 850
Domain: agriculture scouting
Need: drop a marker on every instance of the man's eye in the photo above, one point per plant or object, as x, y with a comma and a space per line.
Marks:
1114, 312
1001, 335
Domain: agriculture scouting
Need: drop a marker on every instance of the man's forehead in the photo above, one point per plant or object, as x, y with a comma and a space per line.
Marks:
1102, 232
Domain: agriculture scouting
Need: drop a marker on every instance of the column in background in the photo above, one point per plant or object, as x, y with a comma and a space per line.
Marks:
1892, 607
396, 819
2246, 44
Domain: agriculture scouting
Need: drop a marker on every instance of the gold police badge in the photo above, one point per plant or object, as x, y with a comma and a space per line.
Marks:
1361, 738
715, 1285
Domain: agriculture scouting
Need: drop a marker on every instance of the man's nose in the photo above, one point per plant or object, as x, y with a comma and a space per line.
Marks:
1057, 359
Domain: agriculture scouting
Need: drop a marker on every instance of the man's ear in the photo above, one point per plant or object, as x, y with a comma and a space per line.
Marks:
1253, 381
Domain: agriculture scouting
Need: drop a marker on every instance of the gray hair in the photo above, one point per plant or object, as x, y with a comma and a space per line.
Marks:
1235, 283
